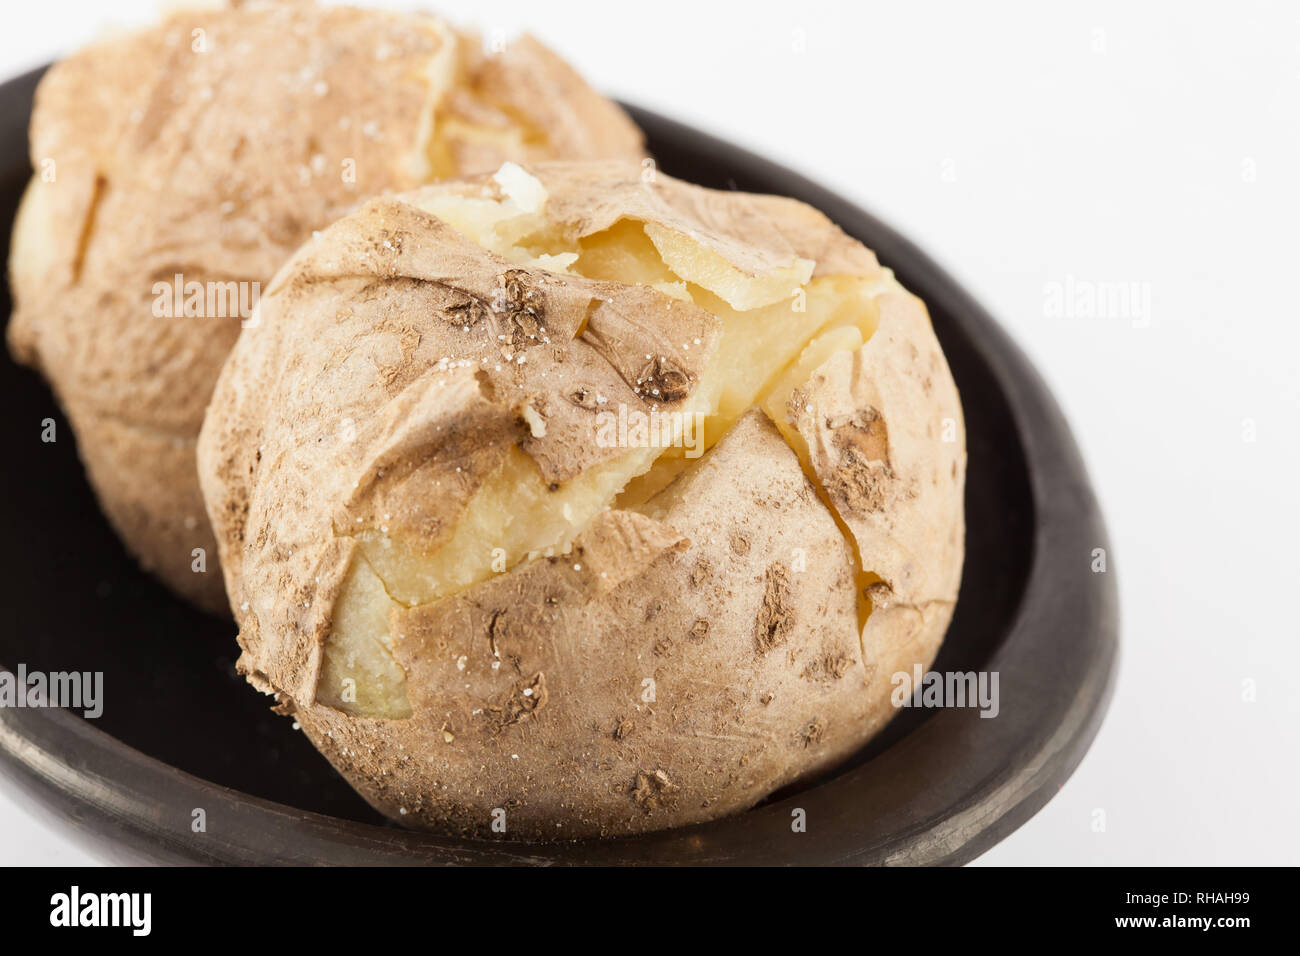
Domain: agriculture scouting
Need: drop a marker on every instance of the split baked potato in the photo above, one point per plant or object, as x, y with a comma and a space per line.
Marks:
576, 500
177, 168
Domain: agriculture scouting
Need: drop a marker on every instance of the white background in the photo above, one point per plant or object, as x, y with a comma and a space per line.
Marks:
1027, 146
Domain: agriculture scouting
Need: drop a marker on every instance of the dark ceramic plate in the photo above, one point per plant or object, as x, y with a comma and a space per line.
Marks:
181, 731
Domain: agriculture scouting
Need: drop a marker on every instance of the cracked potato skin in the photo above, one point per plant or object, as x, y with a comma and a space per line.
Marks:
211, 145
733, 599
737, 711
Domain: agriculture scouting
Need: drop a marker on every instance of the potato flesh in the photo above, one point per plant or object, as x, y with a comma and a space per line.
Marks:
709, 270
757, 345
432, 156
768, 348
509, 141
358, 673
449, 70
515, 516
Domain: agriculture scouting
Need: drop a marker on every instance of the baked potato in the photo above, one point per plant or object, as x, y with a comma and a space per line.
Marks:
178, 167
576, 500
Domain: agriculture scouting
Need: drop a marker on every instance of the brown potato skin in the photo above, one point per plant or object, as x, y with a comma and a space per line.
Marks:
216, 163
686, 659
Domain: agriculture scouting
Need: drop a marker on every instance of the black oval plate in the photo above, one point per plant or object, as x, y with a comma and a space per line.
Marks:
181, 731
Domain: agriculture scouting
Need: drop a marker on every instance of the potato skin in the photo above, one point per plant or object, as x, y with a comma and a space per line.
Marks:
887, 439
683, 661
690, 680
211, 146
